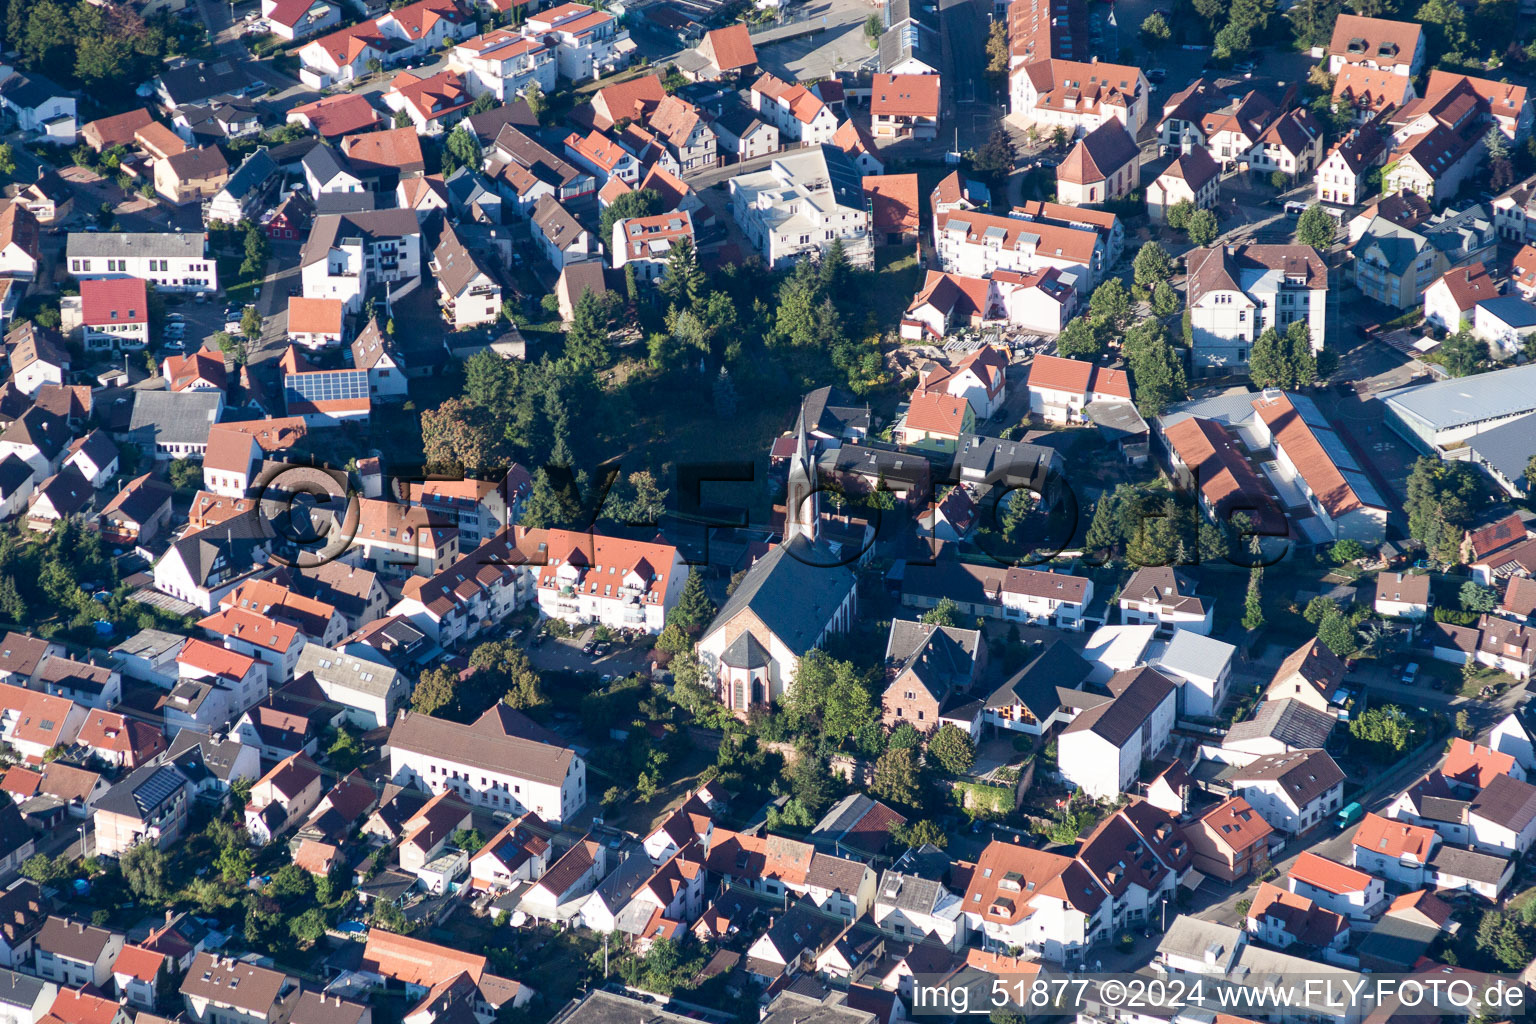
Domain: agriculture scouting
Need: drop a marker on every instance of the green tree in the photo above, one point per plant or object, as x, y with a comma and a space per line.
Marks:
437, 689
1152, 265
1202, 228
308, 928
694, 609
484, 102
874, 26
1165, 300
468, 839
997, 47
683, 282
1178, 215
1154, 29
919, 833
1337, 634
250, 325
461, 149
458, 435
402, 120
1477, 598
640, 202
1442, 499
143, 868
896, 777
1384, 726
995, 159
533, 95
549, 504
1303, 363
1462, 354
944, 613
1268, 361
1079, 339
812, 783
1319, 608
1445, 24
290, 883
1253, 603
234, 863
586, 342
953, 749
1110, 304
1346, 551
1315, 227
258, 249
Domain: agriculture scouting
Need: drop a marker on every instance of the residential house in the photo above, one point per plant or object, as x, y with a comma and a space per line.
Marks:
1341, 176
193, 175
904, 106
1060, 389
1101, 751
1394, 46
1283, 919
1402, 595
801, 202
1230, 841
1102, 167
1236, 292
502, 761
171, 261
930, 670
150, 804
797, 112
222, 990
1294, 791
1451, 301
1192, 178
1394, 850
1347, 892
1078, 95
74, 954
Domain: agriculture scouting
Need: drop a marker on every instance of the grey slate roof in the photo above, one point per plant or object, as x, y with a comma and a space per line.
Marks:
175, 417
793, 596
196, 81
157, 244
145, 789
1290, 721
1036, 685
236, 539
1507, 447
1463, 400
251, 174
20, 990
1469, 864
1396, 944
833, 411
1194, 656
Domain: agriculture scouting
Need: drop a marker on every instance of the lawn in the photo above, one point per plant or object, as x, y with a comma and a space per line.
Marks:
238, 287
643, 817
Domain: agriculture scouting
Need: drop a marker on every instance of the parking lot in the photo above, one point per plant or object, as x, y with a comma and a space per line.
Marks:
565, 655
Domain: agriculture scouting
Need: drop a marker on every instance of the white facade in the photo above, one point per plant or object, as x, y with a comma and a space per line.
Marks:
789, 210
171, 261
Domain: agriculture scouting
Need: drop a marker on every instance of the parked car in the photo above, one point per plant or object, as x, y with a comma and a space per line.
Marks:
1410, 673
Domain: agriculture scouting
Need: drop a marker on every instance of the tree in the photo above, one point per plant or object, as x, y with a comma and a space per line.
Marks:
7, 160
1253, 604
402, 119
1477, 598
461, 149
309, 927
1463, 723
458, 435
586, 342
484, 102
258, 249
291, 882
533, 95
1442, 498
1154, 29
995, 159
1445, 24
1202, 228
250, 325
896, 776
1268, 362
944, 613
1461, 354
684, 280
550, 505
1079, 339
640, 202
185, 475
235, 861
1178, 215
919, 833
12, 605
1152, 265
997, 47
1346, 551
874, 25
1302, 360
694, 609
143, 868
1337, 634
45, 870
1165, 301
1384, 726
437, 689
811, 782
1315, 228
1319, 608
1110, 304
953, 749
468, 839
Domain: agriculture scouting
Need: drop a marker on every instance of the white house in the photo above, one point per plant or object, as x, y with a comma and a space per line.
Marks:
1236, 292
1165, 598
1402, 595
1343, 890
795, 207
1101, 751
1395, 850
172, 261
623, 584
502, 762
1294, 791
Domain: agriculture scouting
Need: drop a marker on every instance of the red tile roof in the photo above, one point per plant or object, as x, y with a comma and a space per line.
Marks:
904, 96
938, 413
893, 200
629, 100
117, 300
138, 962
1473, 764
342, 114
1055, 373
314, 316
1392, 838
1304, 450
1236, 824
1328, 875
1469, 285
211, 660
730, 47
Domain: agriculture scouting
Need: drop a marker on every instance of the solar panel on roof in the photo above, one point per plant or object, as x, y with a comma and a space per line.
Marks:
333, 386
156, 790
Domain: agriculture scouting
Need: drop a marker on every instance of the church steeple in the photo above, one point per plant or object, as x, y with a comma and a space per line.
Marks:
802, 511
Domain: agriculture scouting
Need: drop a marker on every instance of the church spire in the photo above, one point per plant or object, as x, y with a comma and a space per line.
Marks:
802, 511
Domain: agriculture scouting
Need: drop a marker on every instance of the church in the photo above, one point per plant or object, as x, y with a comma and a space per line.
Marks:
793, 598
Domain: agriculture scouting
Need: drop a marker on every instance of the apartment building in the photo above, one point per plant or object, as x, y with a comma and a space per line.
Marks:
503, 762
1237, 292
979, 244
588, 43
800, 203
1079, 95
505, 63
623, 584
172, 261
